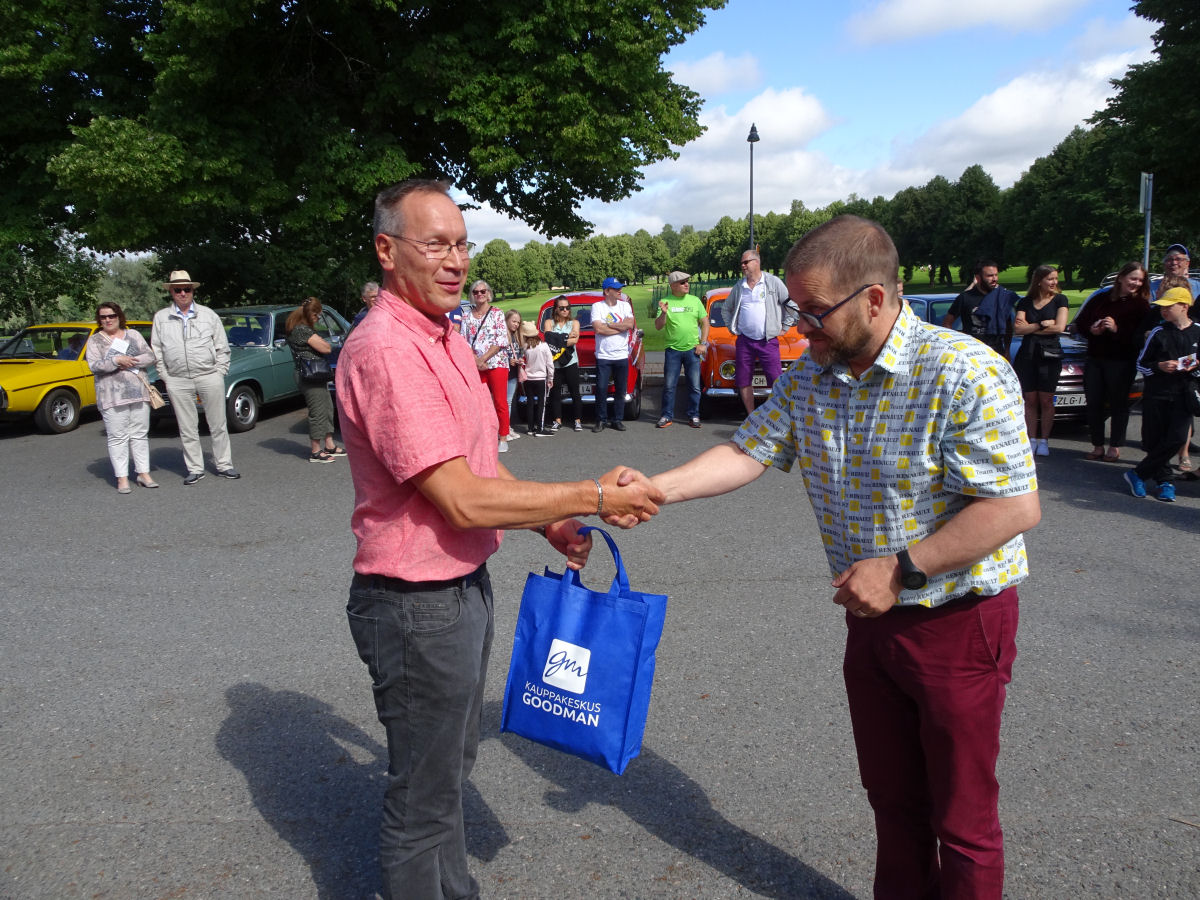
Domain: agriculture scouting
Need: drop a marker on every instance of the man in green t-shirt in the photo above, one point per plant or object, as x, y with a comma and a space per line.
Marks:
683, 316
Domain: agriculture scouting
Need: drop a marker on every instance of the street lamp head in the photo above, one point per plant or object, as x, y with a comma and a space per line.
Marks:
752, 137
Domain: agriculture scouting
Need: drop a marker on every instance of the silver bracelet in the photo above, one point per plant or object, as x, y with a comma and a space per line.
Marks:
599, 496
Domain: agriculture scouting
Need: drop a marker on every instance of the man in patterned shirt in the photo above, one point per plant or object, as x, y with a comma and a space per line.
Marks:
912, 445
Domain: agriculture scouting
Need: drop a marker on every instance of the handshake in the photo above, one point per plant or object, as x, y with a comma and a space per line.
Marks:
627, 497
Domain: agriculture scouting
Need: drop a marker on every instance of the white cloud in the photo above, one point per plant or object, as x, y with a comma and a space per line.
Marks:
1006, 130
717, 73
897, 20
1100, 37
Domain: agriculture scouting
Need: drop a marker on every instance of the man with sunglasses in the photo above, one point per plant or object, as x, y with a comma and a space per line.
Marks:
755, 312
914, 454
430, 502
191, 353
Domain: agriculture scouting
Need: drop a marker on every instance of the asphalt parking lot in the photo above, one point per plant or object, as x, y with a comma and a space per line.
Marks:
182, 712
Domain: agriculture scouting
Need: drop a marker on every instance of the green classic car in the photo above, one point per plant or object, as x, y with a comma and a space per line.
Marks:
43, 374
261, 368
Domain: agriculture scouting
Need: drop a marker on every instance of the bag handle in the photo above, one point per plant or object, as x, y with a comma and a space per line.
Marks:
620, 585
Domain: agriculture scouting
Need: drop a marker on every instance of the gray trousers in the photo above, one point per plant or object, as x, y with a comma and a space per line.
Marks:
426, 647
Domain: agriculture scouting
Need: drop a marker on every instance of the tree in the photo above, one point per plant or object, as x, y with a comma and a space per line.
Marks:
134, 283
47, 278
533, 262
497, 265
650, 255
1158, 117
252, 136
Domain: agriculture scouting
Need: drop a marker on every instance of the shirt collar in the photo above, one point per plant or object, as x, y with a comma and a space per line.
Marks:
899, 352
191, 311
426, 328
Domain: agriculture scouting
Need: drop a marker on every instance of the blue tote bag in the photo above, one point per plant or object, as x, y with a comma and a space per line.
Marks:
583, 664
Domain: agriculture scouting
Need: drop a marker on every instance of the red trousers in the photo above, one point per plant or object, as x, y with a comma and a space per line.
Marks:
497, 384
926, 688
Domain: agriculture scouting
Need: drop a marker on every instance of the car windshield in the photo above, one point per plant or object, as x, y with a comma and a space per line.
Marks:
247, 329
584, 316
47, 343
716, 317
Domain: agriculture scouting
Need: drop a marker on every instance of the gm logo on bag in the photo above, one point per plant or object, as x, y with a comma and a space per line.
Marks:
567, 666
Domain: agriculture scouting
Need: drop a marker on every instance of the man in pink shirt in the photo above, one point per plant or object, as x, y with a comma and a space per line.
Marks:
430, 499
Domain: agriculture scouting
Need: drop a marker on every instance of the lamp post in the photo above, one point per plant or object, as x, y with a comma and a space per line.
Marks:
752, 139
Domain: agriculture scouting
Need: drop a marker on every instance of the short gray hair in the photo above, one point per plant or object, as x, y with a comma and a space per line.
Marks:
388, 218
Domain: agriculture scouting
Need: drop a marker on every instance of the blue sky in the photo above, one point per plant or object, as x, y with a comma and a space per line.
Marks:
869, 97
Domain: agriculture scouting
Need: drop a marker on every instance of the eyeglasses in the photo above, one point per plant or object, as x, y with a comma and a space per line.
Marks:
436, 249
563, 308
478, 292
181, 290
104, 316
746, 262
817, 320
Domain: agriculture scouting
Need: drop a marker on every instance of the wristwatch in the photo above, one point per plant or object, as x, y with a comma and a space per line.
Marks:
912, 578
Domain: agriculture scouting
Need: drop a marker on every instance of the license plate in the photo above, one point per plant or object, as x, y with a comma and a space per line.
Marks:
759, 381
587, 389
1070, 399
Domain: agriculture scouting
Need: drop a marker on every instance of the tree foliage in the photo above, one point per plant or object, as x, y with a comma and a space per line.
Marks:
246, 139
1156, 111
497, 265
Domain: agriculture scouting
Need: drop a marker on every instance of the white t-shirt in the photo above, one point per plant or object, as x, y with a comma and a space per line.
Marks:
752, 311
612, 346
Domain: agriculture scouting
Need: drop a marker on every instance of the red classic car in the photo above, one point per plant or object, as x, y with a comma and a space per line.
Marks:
581, 309
716, 369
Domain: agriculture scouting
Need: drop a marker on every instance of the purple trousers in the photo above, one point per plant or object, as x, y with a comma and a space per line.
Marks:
926, 688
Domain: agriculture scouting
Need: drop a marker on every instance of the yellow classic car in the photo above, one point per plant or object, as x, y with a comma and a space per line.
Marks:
43, 374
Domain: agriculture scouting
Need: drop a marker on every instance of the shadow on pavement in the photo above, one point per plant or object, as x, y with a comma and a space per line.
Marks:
674, 808
302, 766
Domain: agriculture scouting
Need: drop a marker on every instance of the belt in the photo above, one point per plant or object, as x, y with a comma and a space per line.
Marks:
400, 585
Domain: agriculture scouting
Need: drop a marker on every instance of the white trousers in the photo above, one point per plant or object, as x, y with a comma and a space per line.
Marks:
126, 428
211, 391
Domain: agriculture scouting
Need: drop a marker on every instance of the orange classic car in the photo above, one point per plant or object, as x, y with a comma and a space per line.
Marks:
716, 369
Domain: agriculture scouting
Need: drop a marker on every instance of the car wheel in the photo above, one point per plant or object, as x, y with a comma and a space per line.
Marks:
633, 409
58, 413
241, 409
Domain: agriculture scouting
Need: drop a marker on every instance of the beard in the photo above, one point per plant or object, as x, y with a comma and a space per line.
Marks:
851, 344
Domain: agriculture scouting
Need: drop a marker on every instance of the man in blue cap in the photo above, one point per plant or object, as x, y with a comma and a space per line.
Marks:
613, 321
1175, 262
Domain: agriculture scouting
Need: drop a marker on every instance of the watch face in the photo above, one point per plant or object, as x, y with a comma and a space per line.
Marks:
913, 581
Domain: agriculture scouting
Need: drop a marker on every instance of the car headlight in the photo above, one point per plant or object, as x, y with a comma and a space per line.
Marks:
727, 369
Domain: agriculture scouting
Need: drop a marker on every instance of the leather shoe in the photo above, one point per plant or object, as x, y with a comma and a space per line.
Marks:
618, 425
598, 427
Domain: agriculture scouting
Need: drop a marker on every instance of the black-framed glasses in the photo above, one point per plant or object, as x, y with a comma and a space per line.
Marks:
478, 292
817, 320
561, 308
181, 290
104, 316
436, 249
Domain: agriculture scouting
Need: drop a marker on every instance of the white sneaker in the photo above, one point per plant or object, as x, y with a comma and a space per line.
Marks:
512, 436
503, 448
1042, 447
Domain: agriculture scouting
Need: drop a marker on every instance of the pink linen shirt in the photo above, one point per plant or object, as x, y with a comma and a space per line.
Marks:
409, 397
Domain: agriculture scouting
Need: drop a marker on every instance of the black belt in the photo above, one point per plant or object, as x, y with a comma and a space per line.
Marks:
386, 583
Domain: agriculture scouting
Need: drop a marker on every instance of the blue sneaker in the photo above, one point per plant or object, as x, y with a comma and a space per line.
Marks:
1137, 487
1166, 492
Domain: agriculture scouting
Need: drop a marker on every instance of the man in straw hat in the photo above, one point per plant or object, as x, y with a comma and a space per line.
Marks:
191, 353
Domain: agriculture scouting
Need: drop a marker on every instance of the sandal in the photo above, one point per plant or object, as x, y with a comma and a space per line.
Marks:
320, 457
1113, 454
335, 450
1096, 454
1185, 464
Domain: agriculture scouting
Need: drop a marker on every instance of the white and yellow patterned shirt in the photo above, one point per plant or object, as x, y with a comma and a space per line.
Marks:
890, 457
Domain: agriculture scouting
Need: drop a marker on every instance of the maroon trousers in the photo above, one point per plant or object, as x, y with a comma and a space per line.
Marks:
926, 688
